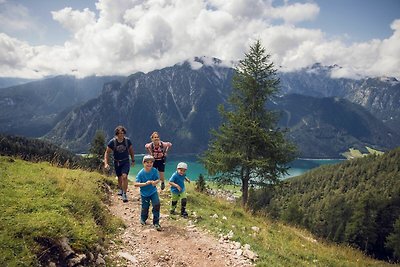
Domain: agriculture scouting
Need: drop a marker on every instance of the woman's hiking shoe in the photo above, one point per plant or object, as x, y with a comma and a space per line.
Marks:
157, 226
124, 197
162, 185
120, 192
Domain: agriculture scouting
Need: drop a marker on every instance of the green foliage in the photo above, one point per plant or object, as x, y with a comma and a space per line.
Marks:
97, 148
275, 243
361, 228
355, 202
40, 204
248, 147
201, 184
393, 240
38, 150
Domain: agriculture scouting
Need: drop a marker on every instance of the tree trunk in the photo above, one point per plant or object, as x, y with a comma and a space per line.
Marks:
245, 187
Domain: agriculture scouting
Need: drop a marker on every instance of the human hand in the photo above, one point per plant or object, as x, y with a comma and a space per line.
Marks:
106, 166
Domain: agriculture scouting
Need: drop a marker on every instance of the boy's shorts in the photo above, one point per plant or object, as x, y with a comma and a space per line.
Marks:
122, 167
159, 164
176, 197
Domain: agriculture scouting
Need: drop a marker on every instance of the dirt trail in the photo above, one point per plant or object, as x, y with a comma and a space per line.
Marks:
175, 245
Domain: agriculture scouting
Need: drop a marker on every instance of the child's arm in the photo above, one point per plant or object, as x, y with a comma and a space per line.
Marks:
138, 184
187, 179
175, 185
155, 182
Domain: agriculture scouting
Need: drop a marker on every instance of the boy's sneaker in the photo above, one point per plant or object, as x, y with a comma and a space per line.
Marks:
120, 192
172, 212
184, 214
142, 222
124, 197
157, 226
162, 185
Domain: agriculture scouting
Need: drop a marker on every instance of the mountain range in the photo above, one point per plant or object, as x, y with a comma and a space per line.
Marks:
324, 116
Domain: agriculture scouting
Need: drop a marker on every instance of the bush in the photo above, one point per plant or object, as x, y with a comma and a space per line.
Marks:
201, 184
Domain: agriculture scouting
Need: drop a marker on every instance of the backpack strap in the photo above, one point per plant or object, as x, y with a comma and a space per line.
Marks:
115, 143
161, 146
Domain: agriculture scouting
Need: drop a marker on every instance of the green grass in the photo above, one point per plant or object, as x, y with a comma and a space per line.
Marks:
276, 244
355, 153
40, 204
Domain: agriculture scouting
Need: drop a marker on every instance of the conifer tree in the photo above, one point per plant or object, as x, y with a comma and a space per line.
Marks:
97, 148
393, 240
201, 184
248, 147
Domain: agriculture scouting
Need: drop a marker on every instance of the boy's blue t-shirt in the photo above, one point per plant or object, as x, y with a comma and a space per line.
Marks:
142, 177
179, 180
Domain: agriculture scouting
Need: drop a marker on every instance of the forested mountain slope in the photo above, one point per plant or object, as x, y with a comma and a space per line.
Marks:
356, 202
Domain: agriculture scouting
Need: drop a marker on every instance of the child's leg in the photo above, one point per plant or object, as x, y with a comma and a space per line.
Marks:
144, 214
156, 208
174, 202
183, 204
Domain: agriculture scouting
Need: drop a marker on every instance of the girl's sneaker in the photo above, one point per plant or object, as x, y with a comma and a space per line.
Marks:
120, 192
157, 226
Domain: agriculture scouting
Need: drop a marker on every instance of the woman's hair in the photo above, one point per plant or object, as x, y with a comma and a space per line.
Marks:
154, 133
119, 129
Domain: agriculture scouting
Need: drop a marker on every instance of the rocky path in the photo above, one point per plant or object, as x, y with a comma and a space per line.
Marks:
178, 244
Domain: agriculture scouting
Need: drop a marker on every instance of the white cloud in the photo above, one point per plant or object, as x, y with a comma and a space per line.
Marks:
296, 12
137, 35
74, 20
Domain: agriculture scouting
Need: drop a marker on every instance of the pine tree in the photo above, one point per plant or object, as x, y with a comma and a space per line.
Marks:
393, 240
201, 184
97, 148
248, 146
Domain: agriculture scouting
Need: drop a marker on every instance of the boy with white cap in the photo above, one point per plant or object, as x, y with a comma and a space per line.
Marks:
177, 183
147, 179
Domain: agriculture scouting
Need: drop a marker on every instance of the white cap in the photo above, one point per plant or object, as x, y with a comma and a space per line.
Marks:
147, 158
182, 165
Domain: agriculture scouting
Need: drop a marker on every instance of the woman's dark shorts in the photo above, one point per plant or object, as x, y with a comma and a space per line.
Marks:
159, 164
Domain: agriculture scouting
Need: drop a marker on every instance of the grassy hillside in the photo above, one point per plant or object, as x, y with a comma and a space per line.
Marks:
355, 202
40, 204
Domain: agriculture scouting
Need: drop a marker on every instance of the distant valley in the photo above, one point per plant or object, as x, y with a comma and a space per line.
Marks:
324, 116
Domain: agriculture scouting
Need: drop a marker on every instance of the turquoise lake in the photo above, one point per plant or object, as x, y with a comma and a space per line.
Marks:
297, 167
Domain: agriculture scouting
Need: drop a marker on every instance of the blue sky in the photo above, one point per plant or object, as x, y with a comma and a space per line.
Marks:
357, 20
40, 38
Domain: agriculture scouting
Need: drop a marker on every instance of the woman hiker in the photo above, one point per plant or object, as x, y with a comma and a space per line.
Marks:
158, 149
